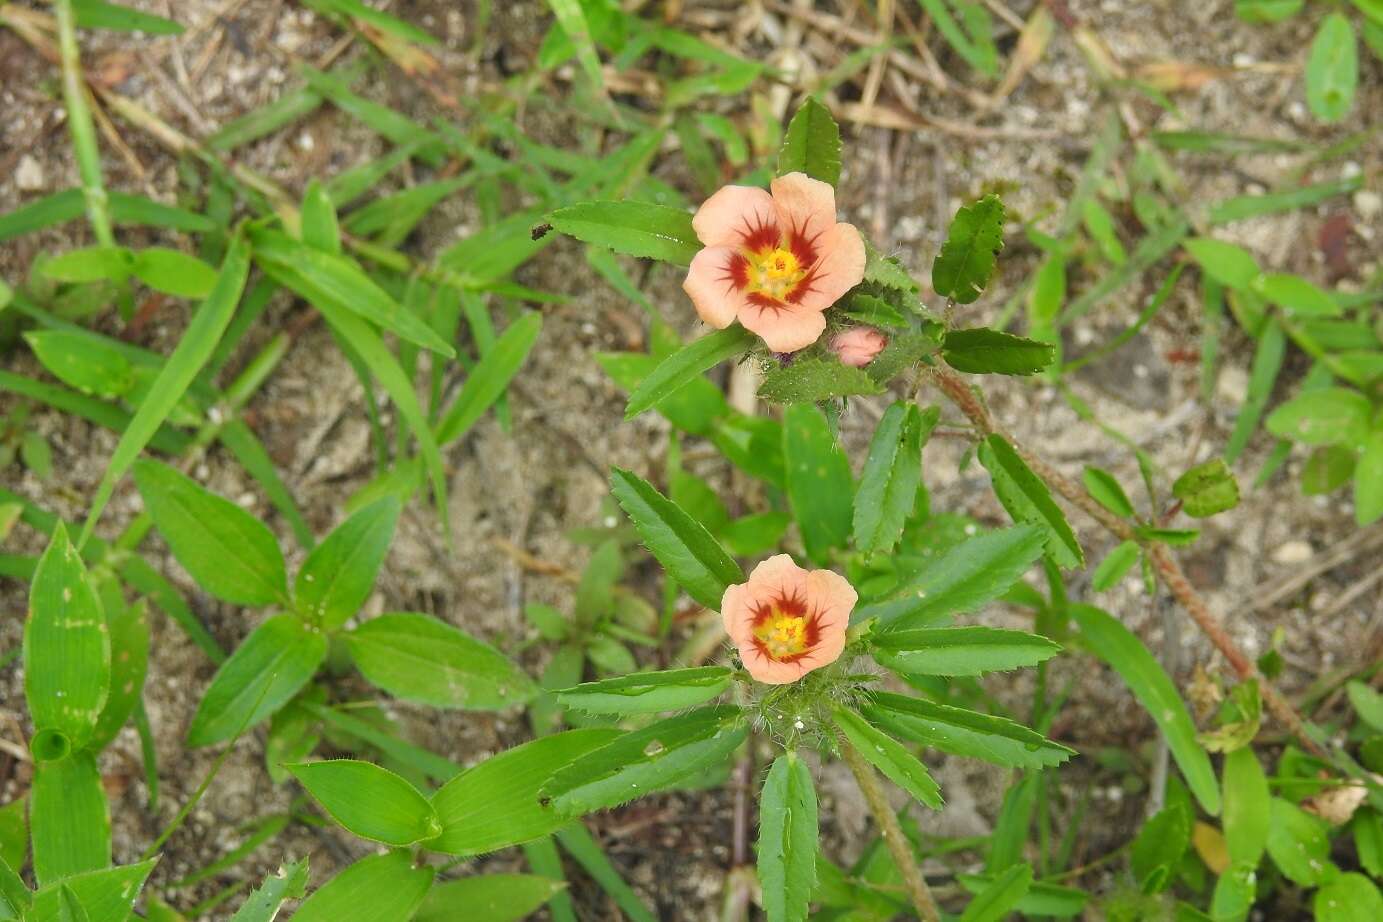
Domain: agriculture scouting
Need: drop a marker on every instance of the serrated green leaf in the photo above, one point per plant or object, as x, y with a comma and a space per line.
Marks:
820, 486
642, 761
984, 351
962, 579
419, 658
965, 263
66, 647
812, 143
815, 380
496, 803
229, 552
682, 545
369, 801
892, 473
649, 692
339, 573
380, 888
964, 732
1332, 69
268, 668
288, 883
636, 228
787, 839
1028, 500
1125, 653
875, 312
890, 757
955, 651
688, 363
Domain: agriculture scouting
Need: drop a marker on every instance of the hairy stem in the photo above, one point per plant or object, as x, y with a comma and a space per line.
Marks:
892, 833
1168, 570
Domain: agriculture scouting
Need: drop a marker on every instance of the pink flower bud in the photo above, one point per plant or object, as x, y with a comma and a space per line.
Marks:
858, 346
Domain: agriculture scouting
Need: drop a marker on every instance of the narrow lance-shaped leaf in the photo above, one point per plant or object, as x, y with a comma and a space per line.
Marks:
191, 354
820, 485
687, 363
960, 580
635, 228
646, 760
649, 692
955, 651
229, 552
985, 351
682, 545
1027, 499
66, 651
889, 756
1332, 69
892, 473
491, 375
1125, 653
369, 801
812, 143
129, 662
1158, 849
787, 839
966, 262
1000, 897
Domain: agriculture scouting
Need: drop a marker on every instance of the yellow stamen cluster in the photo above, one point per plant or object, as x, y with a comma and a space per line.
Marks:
783, 635
775, 272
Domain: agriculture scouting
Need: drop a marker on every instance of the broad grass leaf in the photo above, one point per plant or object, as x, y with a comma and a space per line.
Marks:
688, 363
339, 574
812, 143
890, 757
416, 657
173, 272
129, 661
1246, 806
964, 732
487, 381
1028, 500
69, 819
635, 228
957, 651
787, 839
66, 649
891, 476
188, 358
961, 579
965, 262
488, 898
268, 668
1324, 416
646, 760
820, 485
369, 801
229, 552
496, 803
1113, 643
380, 888
680, 543
983, 351
649, 692
105, 895
1000, 897
1230, 265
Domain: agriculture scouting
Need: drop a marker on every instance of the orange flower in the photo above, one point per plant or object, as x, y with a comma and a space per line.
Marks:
858, 346
775, 262
787, 621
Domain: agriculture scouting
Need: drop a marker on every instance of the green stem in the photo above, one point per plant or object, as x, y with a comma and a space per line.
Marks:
80, 125
898, 847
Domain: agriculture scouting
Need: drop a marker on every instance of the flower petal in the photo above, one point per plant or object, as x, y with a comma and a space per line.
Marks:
711, 285
771, 672
840, 268
784, 329
733, 212
806, 206
737, 612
